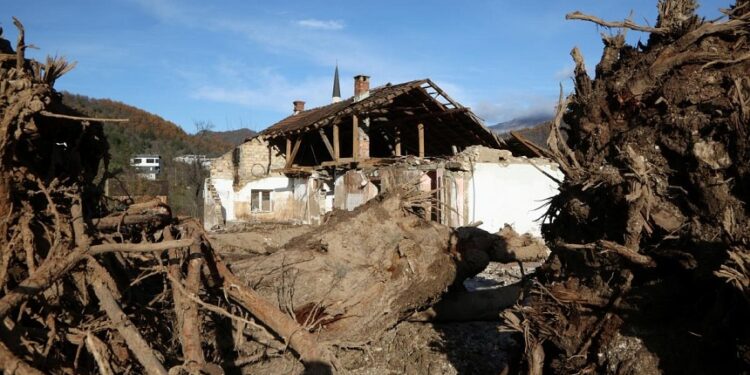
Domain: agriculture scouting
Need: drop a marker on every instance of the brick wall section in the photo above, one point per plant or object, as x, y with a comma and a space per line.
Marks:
249, 161
361, 84
221, 167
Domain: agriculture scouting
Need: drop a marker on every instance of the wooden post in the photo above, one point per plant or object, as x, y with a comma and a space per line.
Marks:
355, 138
290, 160
336, 149
288, 148
420, 127
397, 147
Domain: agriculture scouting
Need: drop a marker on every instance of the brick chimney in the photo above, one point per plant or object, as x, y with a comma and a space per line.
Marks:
299, 106
361, 87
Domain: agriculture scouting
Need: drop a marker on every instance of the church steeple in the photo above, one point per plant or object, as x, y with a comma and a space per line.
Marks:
336, 89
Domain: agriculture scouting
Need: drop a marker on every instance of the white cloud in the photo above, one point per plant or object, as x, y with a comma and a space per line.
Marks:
164, 9
261, 88
565, 72
313, 23
506, 109
308, 41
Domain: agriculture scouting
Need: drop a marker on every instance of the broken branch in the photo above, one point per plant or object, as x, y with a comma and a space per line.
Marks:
78, 118
627, 24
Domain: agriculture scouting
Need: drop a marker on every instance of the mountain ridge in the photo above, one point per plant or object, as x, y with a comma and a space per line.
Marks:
520, 123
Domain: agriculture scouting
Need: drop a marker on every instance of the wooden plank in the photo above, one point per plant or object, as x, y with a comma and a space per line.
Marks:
443, 94
327, 143
398, 142
336, 143
420, 128
341, 161
355, 137
536, 150
290, 161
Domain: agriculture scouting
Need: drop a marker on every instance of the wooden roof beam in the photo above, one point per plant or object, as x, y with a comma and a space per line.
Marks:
324, 137
290, 160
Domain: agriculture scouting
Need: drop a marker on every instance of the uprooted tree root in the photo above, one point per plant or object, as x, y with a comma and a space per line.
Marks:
86, 289
650, 264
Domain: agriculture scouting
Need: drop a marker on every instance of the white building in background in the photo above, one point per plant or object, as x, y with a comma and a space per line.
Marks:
147, 166
203, 160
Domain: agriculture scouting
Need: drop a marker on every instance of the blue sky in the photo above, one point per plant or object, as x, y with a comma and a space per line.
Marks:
242, 63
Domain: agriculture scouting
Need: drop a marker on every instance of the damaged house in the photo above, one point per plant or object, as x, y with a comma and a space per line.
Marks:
343, 154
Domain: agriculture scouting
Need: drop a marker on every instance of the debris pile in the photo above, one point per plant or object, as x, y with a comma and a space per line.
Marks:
650, 235
87, 289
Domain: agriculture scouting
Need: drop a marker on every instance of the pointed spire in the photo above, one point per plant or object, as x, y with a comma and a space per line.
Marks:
336, 89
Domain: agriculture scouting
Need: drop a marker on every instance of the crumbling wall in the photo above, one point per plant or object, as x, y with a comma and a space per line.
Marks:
353, 189
291, 199
249, 161
482, 185
513, 193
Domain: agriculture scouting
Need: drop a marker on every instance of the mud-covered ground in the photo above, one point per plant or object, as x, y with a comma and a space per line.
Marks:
416, 348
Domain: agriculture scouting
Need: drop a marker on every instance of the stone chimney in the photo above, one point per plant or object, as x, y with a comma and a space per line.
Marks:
299, 106
361, 87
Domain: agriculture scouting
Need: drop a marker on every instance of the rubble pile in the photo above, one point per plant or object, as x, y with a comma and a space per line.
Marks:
650, 235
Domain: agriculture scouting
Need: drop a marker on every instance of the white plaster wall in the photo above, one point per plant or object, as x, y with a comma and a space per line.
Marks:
511, 193
281, 188
225, 190
275, 183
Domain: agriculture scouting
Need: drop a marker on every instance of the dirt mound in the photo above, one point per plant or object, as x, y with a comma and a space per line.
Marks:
650, 234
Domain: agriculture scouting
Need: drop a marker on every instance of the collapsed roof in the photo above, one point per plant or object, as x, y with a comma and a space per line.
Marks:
395, 113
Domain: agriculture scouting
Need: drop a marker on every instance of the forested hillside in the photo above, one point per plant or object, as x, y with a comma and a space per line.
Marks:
149, 133
145, 132
234, 137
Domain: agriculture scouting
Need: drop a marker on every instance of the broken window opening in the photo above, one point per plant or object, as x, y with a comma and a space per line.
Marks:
260, 200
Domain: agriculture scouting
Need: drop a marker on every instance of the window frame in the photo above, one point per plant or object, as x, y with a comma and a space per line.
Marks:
257, 195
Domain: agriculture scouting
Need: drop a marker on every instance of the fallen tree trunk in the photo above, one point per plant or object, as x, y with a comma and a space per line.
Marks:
359, 274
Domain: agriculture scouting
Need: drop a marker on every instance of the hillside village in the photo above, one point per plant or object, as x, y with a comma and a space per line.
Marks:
390, 231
